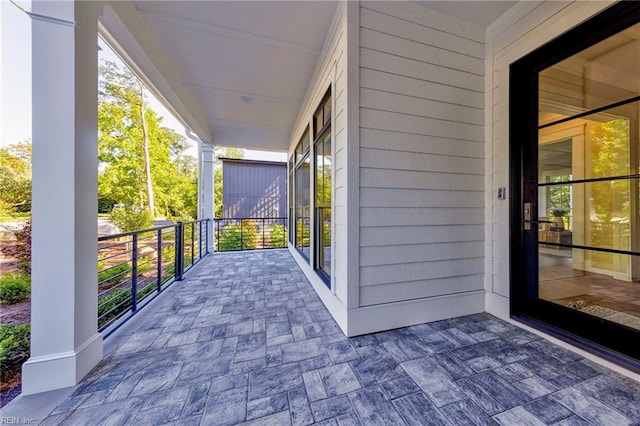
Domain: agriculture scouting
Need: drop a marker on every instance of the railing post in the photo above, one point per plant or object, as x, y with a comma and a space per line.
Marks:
200, 240
179, 252
217, 224
134, 273
159, 260
206, 232
241, 235
193, 239
263, 241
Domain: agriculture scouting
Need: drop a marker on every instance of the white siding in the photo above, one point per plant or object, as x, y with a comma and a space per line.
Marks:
522, 29
421, 154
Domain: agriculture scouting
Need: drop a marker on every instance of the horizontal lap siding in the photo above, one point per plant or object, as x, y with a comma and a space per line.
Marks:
421, 154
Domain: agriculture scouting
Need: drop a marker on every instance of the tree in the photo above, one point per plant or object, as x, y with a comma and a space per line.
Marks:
15, 178
142, 165
217, 178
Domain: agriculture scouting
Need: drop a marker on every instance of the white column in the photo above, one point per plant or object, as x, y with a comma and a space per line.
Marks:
208, 192
65, 343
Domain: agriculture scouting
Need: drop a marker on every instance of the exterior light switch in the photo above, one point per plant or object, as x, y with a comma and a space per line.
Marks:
502, 193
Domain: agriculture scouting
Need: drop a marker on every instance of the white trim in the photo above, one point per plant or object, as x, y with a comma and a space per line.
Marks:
402, 314
50, 19
61, 370
353, 154
497, 305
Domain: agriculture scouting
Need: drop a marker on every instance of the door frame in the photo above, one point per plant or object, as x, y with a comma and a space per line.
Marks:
590, 333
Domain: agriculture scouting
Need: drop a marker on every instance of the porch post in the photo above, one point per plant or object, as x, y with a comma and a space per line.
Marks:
65, 343
208, 192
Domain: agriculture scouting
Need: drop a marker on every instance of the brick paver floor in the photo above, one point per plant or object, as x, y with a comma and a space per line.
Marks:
245, 339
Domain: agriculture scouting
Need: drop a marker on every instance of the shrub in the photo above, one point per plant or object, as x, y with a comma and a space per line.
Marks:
236, 237
113, 275
278, 236
118, 300
105, 204
14, 349
14, 288
21, 250
131, 219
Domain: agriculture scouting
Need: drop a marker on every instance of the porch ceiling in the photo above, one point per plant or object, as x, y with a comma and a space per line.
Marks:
236, 72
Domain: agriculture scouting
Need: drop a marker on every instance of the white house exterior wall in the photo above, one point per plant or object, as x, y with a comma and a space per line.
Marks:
421, 167
522, 29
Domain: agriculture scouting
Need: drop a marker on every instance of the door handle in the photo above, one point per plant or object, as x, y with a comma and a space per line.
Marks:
527, 217
526, 210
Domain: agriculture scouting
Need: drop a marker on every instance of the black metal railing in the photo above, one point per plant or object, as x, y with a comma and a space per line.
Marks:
250, 233
134, 267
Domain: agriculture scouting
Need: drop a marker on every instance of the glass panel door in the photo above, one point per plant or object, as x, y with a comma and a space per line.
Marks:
575, 160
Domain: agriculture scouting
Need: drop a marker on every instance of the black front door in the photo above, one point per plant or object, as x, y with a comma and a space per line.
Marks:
575, 159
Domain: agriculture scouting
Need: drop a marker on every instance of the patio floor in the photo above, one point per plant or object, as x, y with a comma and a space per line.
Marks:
245, 339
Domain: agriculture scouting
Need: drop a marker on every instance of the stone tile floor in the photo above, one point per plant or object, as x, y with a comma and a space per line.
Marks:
246, 339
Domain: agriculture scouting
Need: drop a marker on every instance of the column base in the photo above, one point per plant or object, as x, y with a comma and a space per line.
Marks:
61, 370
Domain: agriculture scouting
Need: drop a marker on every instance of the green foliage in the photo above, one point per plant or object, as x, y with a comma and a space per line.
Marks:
105, 204
113, 304
118, 301
303, 233
14, 349
21, 250
124, 120
131, 219
239, 237
610, 155
14, 288
15, 178
168, 272
114, 274
278, 236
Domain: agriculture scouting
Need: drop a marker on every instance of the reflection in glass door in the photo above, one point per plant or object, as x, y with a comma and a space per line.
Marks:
587, 214
576, 264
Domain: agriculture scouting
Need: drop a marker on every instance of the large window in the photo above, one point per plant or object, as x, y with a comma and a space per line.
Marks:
322, 150
292, 227
302, 182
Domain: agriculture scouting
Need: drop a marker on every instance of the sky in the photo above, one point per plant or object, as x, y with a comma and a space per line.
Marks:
15, 83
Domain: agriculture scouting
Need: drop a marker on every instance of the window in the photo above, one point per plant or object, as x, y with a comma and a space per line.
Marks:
302, 185
323, 188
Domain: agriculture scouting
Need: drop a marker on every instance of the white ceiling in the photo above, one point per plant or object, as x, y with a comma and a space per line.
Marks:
479, 12
236, 72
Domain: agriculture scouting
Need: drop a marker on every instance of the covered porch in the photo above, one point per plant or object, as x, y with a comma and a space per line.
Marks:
407, 102
245, 338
